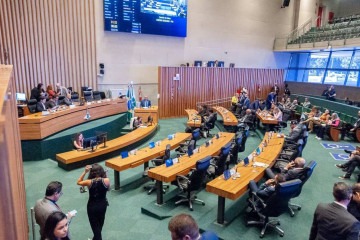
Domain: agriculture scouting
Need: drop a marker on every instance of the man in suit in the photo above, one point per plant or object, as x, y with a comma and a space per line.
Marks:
145, 102
44, 207
269, 100
294, 169
41, 105
246, 120
332, 221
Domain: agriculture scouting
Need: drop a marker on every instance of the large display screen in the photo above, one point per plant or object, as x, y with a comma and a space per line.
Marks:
161, 17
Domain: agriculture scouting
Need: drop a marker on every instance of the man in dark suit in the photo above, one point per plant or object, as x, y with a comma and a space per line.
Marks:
145, 102
40, 106
294, 169
269, 100
332, 221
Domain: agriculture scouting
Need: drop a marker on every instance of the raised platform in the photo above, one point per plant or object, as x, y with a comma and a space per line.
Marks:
63, 141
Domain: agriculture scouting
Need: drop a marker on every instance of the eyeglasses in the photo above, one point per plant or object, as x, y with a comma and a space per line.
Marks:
60, 193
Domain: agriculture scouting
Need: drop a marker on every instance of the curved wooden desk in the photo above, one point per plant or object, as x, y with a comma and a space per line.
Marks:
143, 156
144, 113
168, 174
228, 117
112, 145
266, 118
36, 126
233, 189
194, 119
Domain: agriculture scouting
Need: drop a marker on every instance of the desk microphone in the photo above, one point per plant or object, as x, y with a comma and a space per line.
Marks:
274, 144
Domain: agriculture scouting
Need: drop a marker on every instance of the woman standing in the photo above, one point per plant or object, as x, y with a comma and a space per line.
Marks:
56, 227
98, 184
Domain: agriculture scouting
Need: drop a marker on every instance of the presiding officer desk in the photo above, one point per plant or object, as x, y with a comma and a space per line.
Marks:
144, 113
228, 117
143, 156
36, 126
194, 119
168, 174
67, 158
235, 188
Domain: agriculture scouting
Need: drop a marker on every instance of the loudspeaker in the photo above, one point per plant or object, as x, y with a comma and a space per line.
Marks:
286, 3
102, 68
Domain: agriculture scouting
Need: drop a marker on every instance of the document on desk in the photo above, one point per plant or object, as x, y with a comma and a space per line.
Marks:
260, 164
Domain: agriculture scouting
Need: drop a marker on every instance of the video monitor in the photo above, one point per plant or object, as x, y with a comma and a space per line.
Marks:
160, 17
21, 97
90, 142
101, 137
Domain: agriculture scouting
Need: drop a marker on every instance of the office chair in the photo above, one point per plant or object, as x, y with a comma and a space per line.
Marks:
102, 95
208, 125
219, 163
190, 148
195, 135
74, 97
157, 162
31, 104
308, 170
96, 95
88, 96
276, 205
193, 182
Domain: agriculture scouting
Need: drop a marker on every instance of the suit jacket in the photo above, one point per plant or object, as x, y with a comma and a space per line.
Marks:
333, 222
40, 107
293, 173
145, 103
357, 124
43, 208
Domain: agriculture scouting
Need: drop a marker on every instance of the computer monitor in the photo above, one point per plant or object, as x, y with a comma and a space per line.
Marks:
20, 97
90, 142
197, 63
101, 137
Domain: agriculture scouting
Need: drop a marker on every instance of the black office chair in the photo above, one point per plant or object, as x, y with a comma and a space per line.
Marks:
219, 163
96, 95
88, 96
102, 95
31, 104
238, 146
274, 206
75, 97
157, 162
193, 182
308, 170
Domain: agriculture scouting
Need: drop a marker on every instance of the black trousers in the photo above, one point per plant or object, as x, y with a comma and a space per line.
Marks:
352, 164
96, 214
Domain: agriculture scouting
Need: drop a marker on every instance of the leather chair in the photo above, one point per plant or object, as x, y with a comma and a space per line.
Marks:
157, 162
193, 182
274, 206
88, 96
308, 170
219, 163
96, 95
238, 146
31, 104
208, 125
74, 97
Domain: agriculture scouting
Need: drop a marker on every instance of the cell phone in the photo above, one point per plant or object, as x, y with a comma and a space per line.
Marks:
73, 212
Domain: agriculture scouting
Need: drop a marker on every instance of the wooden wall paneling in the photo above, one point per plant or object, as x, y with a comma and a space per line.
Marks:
206, 84
12, 190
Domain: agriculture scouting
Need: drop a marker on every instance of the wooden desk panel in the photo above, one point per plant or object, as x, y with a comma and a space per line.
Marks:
194, 120
266, 118
112, 145
36, 126
145, 112
186, 163
145, 154
233, 189
228, 117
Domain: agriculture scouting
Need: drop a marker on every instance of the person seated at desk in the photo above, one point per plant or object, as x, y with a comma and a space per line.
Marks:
246, 120
41, 105
204, 111
266, 189
278, 114
137, 123
78, 141
145, 103
150, 121
50, 91
37, 92
293, 169
53, 103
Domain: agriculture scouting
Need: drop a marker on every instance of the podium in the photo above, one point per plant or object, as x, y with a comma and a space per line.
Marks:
144, 113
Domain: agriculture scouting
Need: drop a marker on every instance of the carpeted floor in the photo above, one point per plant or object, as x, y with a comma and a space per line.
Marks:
124, 219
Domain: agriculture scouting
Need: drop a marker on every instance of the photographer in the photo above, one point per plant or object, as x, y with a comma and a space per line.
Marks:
98, 184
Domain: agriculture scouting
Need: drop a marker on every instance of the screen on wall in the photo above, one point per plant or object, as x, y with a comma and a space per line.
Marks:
161, 17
